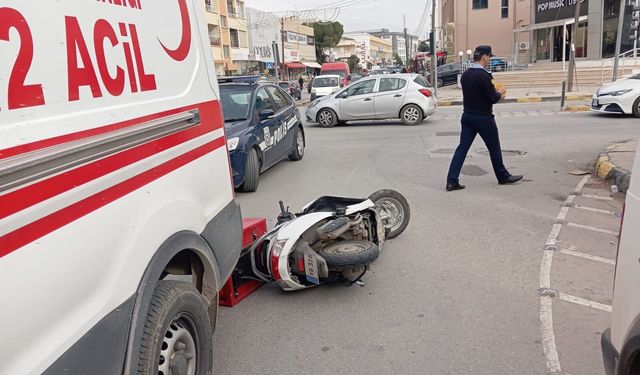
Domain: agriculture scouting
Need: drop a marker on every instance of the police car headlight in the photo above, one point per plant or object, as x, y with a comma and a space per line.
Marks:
232, 143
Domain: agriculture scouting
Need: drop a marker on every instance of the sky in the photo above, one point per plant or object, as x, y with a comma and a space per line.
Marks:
361, 15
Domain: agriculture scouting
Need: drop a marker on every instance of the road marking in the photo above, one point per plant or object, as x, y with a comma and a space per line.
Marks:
546, 313
593, 229
585, 208
599, 197
584, 302
588, 256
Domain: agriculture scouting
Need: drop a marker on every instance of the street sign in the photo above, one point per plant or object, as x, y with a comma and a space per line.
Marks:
269, 65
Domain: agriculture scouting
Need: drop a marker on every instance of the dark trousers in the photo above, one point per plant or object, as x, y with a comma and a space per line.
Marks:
485, 125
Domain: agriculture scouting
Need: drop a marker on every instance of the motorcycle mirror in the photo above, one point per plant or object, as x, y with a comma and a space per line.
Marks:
282, 207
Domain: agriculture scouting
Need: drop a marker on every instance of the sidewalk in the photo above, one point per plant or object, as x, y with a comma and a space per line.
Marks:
452, 95
616, 162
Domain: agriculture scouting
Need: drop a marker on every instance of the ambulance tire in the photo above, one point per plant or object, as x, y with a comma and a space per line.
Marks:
251, 172
177, 333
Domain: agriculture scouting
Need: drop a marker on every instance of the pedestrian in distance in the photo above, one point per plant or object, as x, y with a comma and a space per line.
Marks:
301, 82
479, 95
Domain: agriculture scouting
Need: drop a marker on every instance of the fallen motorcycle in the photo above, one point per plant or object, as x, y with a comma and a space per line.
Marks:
332, 239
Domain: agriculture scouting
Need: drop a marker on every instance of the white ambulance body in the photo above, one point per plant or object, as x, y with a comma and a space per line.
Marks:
115, 188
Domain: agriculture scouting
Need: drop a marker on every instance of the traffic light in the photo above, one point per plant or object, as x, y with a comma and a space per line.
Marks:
635, 21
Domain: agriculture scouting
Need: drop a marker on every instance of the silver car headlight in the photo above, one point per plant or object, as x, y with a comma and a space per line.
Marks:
617, 93
314, 103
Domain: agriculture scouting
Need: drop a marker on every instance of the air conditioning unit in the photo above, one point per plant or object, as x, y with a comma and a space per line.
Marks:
523, 46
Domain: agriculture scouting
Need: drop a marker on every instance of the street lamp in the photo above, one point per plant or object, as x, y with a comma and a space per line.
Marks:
469, 54
460, 54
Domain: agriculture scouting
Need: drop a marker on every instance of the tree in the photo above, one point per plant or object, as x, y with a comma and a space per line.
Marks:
327, 35
353, 62
398, 59
423, 46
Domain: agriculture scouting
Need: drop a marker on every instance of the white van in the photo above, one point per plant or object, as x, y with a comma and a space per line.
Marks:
118, 224
325, 85
621, 342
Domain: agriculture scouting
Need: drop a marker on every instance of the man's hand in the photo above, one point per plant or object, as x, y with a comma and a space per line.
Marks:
502, 92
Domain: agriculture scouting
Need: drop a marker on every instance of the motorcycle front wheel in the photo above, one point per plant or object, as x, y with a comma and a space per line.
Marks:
343, 255
393, 209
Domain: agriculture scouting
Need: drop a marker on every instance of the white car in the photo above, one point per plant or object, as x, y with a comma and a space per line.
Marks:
621, 97
325, 85
404, 96
621, 342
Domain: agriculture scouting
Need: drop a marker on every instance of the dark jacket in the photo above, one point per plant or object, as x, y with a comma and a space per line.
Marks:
478, 93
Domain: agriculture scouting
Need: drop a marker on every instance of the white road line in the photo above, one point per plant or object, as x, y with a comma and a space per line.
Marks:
588, 256
546, 313
584, 302
585, 208
548, 336
598, 197
593, 229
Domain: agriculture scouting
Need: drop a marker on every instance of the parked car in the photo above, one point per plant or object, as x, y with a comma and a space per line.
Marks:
447, 74
340, 68
291, 88
404, 96
622, 97
263, 127
621, 343
498, 64
325, 85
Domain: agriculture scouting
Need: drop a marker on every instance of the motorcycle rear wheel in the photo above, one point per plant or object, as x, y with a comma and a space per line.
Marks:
393, 209
344, 255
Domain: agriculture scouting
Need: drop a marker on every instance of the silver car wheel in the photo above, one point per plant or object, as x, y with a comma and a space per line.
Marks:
325, 118
411, 114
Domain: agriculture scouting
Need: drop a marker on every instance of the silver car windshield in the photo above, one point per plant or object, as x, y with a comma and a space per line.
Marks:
325, 82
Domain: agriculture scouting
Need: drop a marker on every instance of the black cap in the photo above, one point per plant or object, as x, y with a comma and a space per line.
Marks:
482, 50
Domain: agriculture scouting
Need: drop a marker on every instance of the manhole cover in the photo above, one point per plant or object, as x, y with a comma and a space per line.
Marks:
485, 152
443, 151
447, 134
473, 170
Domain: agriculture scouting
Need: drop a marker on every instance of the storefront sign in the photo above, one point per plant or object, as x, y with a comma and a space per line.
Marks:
263, 53
553, 10
311, 40
296, 38
291, 55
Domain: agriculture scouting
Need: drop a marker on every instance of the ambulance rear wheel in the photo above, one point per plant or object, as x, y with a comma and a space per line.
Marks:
177, 335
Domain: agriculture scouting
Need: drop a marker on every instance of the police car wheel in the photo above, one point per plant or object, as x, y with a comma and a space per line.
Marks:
298, 145
251, 172
178, 334
327, 118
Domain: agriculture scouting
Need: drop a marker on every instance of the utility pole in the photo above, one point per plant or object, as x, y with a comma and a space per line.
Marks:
406, 48
572, 48
283, 35
614, 76
434, 65
276, 57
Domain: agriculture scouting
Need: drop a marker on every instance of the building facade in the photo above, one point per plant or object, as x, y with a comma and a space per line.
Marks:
227, 27
400, 45
264, 30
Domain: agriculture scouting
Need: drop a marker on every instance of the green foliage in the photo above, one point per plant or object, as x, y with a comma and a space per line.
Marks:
398, 59
353, 62
327, 35
423, 46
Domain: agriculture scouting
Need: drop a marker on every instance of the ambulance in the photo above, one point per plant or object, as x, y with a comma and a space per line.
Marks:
118, 224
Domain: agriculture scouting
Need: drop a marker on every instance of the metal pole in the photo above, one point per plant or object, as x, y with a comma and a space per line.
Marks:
572, 49
434, 66
406, 47
564, 47
274, 46
564, 83
616, 58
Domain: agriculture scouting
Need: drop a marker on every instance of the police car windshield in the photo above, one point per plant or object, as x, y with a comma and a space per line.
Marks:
235, 102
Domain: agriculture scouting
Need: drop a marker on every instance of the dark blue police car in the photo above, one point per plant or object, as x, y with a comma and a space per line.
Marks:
263, 127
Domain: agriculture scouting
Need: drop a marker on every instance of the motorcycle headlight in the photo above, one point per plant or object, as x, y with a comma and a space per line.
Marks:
232, 143
617, 93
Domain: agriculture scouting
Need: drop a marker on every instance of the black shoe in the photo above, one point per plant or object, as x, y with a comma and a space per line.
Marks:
510, 180
453, 186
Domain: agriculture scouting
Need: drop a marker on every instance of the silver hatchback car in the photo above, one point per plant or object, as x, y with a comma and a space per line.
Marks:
405, 96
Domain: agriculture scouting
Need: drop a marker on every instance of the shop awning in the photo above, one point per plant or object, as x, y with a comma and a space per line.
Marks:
295, 65
544, 25
312, 64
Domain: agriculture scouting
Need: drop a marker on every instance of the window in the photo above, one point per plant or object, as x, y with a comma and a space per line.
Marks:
505, 9
263, 101
242, 39
480, 4
214, 35
241, 9
391, 84
231, 10
210, 5
421, 81
225, 51
234, 38
362, 88
223, 21
281, 99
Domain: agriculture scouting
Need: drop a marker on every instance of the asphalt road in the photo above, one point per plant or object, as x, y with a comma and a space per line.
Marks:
458, 292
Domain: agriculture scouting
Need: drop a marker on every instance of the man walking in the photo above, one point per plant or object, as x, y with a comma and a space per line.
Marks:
301, 82
479, 96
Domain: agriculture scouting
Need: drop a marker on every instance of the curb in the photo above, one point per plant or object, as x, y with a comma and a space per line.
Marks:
608, 171
577, 108
532, 99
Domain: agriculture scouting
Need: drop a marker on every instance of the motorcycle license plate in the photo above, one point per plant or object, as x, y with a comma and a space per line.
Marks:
595, 103
311, 268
